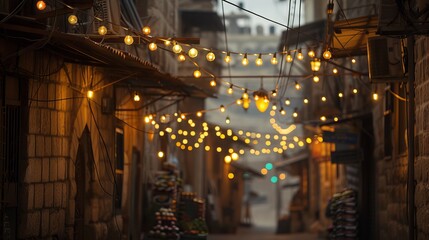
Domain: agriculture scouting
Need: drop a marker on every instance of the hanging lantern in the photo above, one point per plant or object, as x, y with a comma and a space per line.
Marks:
262, 99
315, 64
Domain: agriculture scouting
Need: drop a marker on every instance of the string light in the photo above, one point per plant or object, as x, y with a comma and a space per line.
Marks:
136, 97
210, 56
334, 70
340, 94
315, 64
274, 93
311, 53
227, 159
327, 54
146, 30
316, 79
300, 56
259, 61
128, 39
297, 86
323, 99
230, 89
213, 83
230, 176
197, 73
181, 57
323, 118
289, 57
227, 120
274, 60
90, 94
306, 100
72, 19
353, 60
234, 156
287, 101
193, 53
262, 99
375, 96
335, 119
167, 42
282, 111
152, 46
355, 91
177, 48
41, 5
102, 30
227, 58
245, 61
222, 108
295, 113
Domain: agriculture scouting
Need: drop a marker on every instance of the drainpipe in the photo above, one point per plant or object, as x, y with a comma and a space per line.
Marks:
411, 120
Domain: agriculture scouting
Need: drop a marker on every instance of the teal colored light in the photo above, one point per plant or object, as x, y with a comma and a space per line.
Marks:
274, 179
269, 166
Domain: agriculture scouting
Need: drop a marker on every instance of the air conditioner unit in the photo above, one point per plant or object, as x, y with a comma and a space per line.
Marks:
109, 12
385, 60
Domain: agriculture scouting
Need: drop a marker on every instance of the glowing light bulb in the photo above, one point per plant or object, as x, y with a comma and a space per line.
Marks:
160, 154
197, 73
128, 40
274, 60
259, 61
340, 95
230, 90
289, 57
375, 96
297, 86
227, 120
72, 19
282, 111
90, 94
287, 101
239, 101
274, 93
181, 57
41, 5
316, 79
227, 58
323, 118
245, 61
311, 54
167, 42
335, 119
306, 100
334, 70
295, 113
136, 97
213, 83
230, 176
353, 60
300, 56
177, 48
152, 46
355, 91
323, 99
210, 56
227, 159
222, 108
327, 54
245, 94
193, 53
146, 30
102, 30
199, 114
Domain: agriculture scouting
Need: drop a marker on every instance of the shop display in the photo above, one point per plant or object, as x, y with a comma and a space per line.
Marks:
342, 208
166, 227
191, 214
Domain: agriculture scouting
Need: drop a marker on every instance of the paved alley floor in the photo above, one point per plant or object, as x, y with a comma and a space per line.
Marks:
262, 234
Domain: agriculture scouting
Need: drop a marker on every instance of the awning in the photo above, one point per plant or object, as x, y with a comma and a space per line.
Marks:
119, 64
204, 20
351, 35
290, 160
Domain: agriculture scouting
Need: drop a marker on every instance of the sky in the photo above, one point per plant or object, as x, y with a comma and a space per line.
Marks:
272, 9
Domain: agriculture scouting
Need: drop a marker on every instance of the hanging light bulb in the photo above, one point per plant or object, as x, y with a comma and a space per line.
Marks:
230, 89
90, 94
274, 60
72, 19
323, 118
136, 97
297, 86
213, 83
375, 96
245, 94
167, 42
334, 70
227, 58
259, 61
282, 111
152, 46
128, 39
274, 93
197, 73
353, 60
160, 154
316, 79
227, 160
340, 94
177, 48
222, 108
262, 99
311, 53
193, 53
40, 5
327, 54
323, 99
245, 61
199, 114
295, 113
227, 120
146, 30
315, 64
246, 103
102, 30
182, 116
306, 100
239, 101
210, 56
274, 107
300, 56
181, 57
289, 57
287, 101
355, 91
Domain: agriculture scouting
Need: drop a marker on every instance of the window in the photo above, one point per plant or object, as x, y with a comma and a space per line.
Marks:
119, 166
